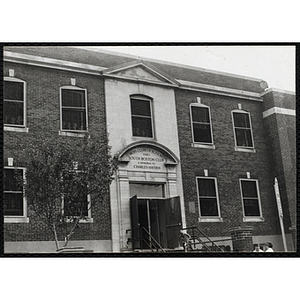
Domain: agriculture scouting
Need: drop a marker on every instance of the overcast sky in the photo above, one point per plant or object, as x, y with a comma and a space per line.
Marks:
274, 64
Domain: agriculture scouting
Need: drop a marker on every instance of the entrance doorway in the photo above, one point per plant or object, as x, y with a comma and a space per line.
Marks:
155, 218
150, 212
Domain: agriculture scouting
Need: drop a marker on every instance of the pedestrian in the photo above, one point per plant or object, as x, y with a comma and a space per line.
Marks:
257, 249
269, 247
185, 242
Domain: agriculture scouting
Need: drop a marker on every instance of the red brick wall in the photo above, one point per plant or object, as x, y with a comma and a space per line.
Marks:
226, 164
43, 118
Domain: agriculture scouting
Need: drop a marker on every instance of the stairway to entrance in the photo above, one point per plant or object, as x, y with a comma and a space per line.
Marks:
197, 241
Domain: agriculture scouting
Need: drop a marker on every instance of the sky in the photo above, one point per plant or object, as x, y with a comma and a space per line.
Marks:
274, 64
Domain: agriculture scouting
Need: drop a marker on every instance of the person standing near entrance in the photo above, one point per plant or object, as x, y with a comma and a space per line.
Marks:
269, 247
184, 239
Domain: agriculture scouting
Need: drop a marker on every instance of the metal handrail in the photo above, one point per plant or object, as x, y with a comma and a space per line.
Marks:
200, 240
150, 237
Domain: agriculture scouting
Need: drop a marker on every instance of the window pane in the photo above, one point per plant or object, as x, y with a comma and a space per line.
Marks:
140, 107
251, 207
209, 207
243, 137
73, 119
74, 208
11, 179
200, 114
73, 98
249, 189
13, 204
206, 187
202, 133
13, 113
13, 90
141, 126
241, 120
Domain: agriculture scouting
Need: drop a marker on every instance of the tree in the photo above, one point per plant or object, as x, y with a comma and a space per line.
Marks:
61, 173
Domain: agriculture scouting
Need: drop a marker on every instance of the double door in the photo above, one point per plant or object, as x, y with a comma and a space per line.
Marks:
161, 218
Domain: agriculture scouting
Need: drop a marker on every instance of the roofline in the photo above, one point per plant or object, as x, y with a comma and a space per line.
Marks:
269, 90
213, 89
51, 63
100, 71
168, 63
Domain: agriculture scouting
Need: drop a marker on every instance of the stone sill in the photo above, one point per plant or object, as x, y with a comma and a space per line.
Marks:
88, 220
74, 134
249, 150
253, 219
16, 220
204, 146
139, 138
217, 219
16, 129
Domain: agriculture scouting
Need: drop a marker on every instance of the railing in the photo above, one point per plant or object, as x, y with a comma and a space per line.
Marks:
196, 239
145, 236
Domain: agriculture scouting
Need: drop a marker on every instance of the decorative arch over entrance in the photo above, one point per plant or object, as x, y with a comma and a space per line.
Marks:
148, 156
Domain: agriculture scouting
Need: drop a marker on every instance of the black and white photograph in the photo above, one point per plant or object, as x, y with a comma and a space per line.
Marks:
140, 150
149, 150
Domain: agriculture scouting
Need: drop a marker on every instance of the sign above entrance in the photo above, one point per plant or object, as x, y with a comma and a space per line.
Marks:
146, 159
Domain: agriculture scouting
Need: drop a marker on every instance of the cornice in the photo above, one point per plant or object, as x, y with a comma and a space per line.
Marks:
51, 63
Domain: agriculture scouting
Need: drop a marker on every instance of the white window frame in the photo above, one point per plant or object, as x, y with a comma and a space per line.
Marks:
142, 98
70, 132
201, 144
209, 218
88, 218
23, 218
14, 127
251, 218
242, 148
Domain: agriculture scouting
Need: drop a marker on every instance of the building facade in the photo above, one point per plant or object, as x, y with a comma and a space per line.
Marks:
195, 148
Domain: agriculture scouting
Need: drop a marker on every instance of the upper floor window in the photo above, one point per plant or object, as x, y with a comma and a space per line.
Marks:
242, 129
141, 116
250, 198
14, 202
14, 101
201, 124
73, 109
208, 197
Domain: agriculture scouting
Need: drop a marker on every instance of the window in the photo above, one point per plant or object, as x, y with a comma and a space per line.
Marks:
201, 124
74, 208
14, 202
77, 201
73, 109
141, 116
208, 197
14, 102
242, 129
250, 198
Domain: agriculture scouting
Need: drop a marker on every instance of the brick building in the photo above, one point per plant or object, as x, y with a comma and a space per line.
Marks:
194, 147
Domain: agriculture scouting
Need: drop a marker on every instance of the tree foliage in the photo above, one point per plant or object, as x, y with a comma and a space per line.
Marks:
61, 173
